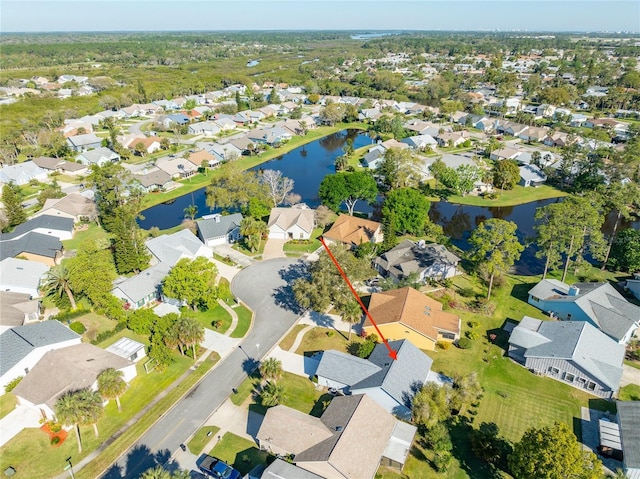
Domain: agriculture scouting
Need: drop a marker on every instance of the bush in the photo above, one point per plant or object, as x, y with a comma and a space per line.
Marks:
471, 334
365, 349
473, 323
66, 315
444, 345
107, 334
467, 292
12, 384
55, 440
465, 343
78, 327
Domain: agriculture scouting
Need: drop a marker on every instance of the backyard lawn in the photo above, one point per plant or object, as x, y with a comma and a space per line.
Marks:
239, 452
93, 232
517, 196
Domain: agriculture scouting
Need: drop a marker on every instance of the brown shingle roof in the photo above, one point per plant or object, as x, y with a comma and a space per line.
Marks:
413, 309
352, 230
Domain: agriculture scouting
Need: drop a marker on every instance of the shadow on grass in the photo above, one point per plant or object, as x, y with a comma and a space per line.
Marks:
521, 291
321, 404
139, 459
461, 432
603, 405
498, 337
249, 458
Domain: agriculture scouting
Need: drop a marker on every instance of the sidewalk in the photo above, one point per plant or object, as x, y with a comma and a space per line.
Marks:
297, 363
233, 314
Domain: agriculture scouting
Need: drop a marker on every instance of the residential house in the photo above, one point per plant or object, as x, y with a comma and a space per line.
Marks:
270, 136
633, 285
100, 156
22, 276
390, 383
62, 166
17, 309
420, 142
56, 226
559, 139
426, 261
150, 144
205, 128
22, 173
169, 249
229, 151
573, 352
354, 231
393, 143
455, 138
23, 346
217, 229
485, 125
332, 445
202, 157
281, 469
629, 421
597, 303
534, 133
128, 348
225, 123
177, 167
175, 119
369, 114
154, 180
80, 143
143, 288
67, 369
374, 157
408, 314
505, 154
75, 206
33, 246
296, 222
531, 175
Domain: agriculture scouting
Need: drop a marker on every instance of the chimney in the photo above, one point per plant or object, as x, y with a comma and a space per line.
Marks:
216, 218
574, 291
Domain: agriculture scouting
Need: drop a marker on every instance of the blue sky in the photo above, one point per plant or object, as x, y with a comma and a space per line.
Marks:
171, 15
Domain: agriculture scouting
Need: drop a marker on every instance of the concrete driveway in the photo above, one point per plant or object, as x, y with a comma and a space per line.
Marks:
273, 248
630, 375
225, 250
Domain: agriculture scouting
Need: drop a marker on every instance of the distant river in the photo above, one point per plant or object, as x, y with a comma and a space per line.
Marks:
309, 164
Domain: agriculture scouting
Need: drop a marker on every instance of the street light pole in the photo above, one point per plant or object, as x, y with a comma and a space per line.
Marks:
69, 467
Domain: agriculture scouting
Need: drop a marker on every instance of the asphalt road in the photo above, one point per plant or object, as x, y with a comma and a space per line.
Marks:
263, 286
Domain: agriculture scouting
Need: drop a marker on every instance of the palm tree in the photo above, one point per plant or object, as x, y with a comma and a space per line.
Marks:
181, 474
79, 407
190, 333
156, 473
111, 385
191, 211
272, 395
57, 282
271, 369
351, 313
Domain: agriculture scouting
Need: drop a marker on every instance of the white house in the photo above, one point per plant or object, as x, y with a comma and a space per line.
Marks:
217, 229
296, 222
22, 276
22, 173
100, 156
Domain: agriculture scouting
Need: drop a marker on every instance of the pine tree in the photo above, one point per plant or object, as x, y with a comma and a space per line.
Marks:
128, 242
12, 200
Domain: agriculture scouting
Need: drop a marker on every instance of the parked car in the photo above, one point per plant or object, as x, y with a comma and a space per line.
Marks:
218, 469
373, 281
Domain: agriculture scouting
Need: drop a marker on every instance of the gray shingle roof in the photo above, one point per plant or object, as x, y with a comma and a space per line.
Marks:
547, 288
18, 342
629, 420
280, 469
147, 282
218, 226
170, 248
20, 273
49, 222
408, 257
14, 308
345, 368
34, 243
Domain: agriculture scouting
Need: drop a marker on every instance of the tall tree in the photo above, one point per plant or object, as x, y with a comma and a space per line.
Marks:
81, 407
549, 224
92, 271
192, 281
620, 198
347, 187
278, 186
129, 250
400, 168
495, 247
272, 394
351, 314
114, 187
111, 385
57, 282
253, 230
271, 369
506, 174
625, 252
189, 332
553, 452
431, 405
233, 189
12, 201
409, 210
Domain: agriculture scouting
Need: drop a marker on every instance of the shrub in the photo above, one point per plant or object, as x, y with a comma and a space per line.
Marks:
467, 292
465, 343
78, 327
471, 334
55, 440
66, 315
330, 333
107, 334
12, 384
473, 323
365, 349
443, 345
55, 426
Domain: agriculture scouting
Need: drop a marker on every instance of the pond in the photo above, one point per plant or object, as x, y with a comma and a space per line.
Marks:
309, 164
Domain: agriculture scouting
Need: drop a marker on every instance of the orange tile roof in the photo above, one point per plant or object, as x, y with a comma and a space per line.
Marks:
413, 309
352, 230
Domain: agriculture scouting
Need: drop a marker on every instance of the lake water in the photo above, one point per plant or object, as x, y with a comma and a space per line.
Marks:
309, 164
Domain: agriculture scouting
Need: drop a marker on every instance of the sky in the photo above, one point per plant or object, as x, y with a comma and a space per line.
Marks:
362, 15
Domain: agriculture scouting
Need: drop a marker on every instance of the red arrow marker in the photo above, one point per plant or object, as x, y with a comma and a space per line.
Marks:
392, 354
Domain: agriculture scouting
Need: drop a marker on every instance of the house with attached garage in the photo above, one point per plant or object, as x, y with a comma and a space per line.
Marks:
531, 175
597, 303
36, 247
573, 352
426, 261
351, 440
405, 313
22, 276
390, 383
23, 346
22, 173
56, 226
154, 180
75, 206
217, 229
143, 288
170, 249
205, 128
354, 231
292, 223
68, 369
17, 309
100, 156
85, 142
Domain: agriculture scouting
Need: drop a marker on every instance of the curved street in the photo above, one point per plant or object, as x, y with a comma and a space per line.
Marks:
264, 286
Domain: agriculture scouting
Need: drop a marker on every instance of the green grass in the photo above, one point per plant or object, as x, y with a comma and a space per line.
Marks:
94, 232
309, 247
239, 452
289, 339
630, 392
201, 438
633, 364
7, 404
322, 339
19, 453
518, 196
95, 324
244, 321
212, 315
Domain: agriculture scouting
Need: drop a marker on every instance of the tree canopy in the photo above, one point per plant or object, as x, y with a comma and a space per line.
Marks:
506, 174
192, 281
408, 208
347, 187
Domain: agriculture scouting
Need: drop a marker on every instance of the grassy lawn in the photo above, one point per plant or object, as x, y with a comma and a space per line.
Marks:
321, 339
95, 324
20, 451
296, 249
630, 392
7, 404
239, 452
287, 342
240, 246
94, 232
201, 438
519, 195
633, 364
244, 321
209, 317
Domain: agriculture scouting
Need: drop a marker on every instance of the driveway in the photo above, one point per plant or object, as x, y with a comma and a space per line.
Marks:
273, 248
630, 375
265, 287
225, 250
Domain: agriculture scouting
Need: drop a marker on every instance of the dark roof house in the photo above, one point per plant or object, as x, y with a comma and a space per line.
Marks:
426, 260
